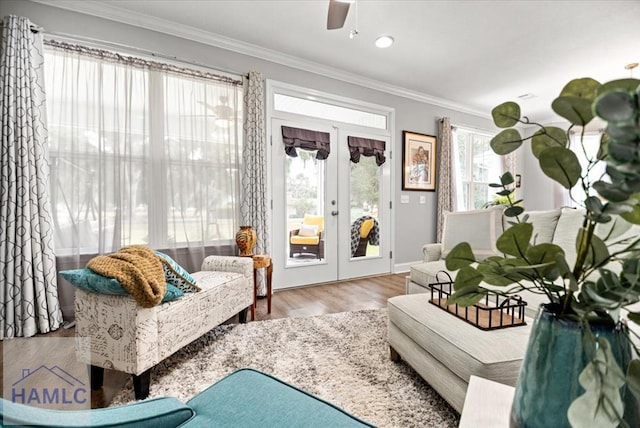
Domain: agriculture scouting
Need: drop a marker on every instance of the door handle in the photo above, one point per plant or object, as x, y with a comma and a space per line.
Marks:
334, 213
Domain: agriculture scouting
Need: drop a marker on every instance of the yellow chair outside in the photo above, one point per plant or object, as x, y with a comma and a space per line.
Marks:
308, 238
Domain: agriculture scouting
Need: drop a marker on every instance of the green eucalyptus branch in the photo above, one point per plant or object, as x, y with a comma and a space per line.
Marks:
579, 267
633, 247
517, 289
572, 291
635, 348
543, 129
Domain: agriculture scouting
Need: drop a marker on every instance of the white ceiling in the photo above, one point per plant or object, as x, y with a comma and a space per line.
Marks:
469, 54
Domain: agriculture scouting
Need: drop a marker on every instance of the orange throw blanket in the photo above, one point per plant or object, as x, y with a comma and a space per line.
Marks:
138, 269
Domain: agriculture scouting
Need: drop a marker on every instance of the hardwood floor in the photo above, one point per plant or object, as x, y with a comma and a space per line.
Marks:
340, 296
333, 297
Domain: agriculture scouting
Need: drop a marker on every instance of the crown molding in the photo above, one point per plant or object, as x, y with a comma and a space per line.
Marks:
114, 13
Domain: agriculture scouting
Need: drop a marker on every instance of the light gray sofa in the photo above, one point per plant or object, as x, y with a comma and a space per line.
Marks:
481, 229
446, 350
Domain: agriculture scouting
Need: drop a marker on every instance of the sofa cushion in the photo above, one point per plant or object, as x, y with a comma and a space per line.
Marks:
227, 404
618, 233
162, 412
567, 231
209, 279
305, 240
480, 228
425, 273
544, 225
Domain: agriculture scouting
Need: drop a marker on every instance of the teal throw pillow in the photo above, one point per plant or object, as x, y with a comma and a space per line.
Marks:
172, 293
88, 280
176, 275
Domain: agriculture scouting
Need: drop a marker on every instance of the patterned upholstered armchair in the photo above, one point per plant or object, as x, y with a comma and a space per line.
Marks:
309, 237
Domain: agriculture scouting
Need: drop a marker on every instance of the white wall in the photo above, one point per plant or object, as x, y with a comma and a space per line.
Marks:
537, 189
415, 223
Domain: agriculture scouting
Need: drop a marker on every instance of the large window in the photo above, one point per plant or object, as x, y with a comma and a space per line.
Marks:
141, 152
475, 166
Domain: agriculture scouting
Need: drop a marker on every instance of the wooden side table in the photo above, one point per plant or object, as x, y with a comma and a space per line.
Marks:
261, 261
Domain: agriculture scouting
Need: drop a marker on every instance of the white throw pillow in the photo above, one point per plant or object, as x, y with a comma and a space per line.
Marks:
480, 228
308, 230
544, 224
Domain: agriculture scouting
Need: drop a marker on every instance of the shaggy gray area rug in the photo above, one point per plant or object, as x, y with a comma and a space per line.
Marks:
342, 358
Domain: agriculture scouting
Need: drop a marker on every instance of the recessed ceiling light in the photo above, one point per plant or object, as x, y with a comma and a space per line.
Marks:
384, 41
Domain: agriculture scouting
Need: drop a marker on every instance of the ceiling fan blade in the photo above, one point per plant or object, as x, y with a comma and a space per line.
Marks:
337, 14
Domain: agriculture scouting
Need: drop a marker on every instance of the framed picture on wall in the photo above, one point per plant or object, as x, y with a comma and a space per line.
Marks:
418, 161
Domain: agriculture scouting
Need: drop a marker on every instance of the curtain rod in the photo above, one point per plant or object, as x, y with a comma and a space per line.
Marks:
104, 44
33, 27
464, 125
135, 50
473, 127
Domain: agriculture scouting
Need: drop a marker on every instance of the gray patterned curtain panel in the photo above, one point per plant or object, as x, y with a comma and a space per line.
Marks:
253, 208
445, 174
366, 147
28, 292
305, 139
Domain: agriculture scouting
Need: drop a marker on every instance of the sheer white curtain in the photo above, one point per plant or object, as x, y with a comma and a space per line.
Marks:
141, 153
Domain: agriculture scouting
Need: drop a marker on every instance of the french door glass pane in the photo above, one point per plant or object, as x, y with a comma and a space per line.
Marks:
364, 202
304, 190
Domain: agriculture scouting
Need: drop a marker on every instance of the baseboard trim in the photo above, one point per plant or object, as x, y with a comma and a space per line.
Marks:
403, 267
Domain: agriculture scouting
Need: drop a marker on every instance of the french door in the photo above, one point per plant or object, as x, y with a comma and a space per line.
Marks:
323, 207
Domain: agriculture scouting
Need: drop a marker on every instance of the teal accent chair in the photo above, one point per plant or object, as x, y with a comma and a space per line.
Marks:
230, 402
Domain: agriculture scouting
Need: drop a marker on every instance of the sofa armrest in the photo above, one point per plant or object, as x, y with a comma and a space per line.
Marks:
243, 265
432, 252
157, 413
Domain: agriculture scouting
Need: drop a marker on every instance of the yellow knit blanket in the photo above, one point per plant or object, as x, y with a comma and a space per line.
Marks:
138, 269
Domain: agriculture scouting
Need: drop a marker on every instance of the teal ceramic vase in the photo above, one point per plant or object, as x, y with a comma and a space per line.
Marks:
548, 380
